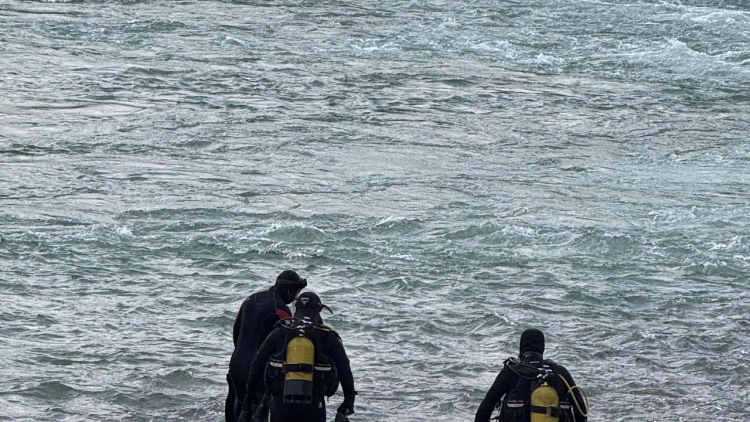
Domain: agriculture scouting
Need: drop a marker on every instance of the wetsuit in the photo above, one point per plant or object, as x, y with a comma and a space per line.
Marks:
255, 321
531, 353
507, 380
331, 346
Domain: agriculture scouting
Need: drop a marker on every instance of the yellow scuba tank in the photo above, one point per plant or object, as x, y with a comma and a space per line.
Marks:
545, 404
300, 362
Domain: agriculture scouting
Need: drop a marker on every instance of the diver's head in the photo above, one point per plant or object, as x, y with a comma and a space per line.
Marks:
532, 340
288, 284
308, 305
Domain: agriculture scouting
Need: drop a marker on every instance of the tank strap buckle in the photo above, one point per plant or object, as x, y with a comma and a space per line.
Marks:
297, 367
549, 411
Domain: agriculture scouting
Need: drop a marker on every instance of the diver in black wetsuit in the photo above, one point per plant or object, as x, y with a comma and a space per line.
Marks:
295, 400
512, 387
254, 321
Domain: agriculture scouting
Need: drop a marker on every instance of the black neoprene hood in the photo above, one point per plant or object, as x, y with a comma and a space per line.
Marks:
532, 340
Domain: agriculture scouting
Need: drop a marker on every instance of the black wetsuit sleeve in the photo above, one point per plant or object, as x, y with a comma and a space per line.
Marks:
268, 323
279, 311
504, 382
236, 327
258, 368
577, 394
338, 354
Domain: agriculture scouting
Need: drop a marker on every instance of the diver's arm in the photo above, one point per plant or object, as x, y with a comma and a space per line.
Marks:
341, 360
236, 327
258, 367
502, 385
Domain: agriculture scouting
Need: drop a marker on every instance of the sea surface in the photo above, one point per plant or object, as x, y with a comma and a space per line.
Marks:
444, 173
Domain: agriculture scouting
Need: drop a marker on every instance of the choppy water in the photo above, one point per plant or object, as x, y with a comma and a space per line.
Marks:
445, 174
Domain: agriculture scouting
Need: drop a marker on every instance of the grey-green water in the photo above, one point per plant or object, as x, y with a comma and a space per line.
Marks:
445, 174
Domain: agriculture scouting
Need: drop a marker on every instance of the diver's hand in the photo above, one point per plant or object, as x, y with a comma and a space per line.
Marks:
347, 407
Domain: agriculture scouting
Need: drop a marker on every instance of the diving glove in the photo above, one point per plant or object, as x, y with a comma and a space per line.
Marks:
340, 417
347, 407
